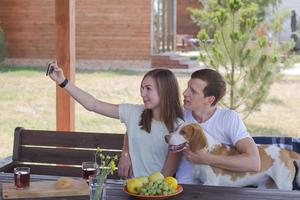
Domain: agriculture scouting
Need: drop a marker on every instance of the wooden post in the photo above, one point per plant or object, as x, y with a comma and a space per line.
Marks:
163, 25
65, 55
174, 31
169, 16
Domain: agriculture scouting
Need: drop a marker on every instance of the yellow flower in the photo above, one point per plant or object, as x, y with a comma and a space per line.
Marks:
98, 150
106, 162
112, 167
106, 165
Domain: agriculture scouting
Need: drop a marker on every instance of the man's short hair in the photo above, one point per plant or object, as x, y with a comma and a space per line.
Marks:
216, 85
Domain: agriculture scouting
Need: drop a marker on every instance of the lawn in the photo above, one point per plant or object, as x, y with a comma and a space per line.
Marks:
27, 99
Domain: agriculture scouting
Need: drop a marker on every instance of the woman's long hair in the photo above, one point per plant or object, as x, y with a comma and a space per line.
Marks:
170, 103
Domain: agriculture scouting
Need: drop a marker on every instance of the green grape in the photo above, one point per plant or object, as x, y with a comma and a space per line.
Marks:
160, 187
143, 190
151, 192
158, 191
165, 188
159, 181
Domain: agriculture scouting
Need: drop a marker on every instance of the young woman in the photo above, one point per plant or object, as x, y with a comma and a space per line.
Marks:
147, 124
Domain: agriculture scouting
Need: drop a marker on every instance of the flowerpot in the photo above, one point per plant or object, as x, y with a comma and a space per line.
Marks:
97, 188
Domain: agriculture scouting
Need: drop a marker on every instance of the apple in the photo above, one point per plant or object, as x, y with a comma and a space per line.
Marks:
143, 179
133, 185
156, 176
172, 182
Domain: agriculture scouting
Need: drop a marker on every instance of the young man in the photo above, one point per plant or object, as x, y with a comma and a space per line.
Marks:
205, 89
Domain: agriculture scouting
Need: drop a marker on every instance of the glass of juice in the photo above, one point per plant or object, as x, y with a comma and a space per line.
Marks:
88, 169
22, 177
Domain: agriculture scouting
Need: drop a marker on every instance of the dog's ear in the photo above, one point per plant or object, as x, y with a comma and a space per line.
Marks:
196, 137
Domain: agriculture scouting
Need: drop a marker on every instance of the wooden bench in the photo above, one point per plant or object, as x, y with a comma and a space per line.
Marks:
58, 153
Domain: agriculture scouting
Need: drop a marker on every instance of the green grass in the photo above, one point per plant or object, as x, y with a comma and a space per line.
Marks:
27, 99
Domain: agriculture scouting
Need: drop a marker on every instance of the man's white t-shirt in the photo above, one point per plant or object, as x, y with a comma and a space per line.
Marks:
225, 126
148, 151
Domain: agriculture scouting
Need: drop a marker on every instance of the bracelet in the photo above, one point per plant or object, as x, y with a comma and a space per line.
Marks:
64, 83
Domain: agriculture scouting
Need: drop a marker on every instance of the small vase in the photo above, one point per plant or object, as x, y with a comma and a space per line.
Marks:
97, 188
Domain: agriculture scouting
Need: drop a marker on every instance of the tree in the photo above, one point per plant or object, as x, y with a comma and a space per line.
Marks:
203, 19
263, 7
241, 50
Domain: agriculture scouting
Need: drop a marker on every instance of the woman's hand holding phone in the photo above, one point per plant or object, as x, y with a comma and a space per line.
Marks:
54, 72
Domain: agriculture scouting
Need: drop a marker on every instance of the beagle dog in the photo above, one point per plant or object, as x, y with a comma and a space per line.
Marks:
277, 164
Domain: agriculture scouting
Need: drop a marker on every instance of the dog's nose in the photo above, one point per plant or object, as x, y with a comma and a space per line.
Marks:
167, 138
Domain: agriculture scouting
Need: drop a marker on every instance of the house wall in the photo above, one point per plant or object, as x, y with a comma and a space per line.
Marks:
29, 27
105, 30
184, 22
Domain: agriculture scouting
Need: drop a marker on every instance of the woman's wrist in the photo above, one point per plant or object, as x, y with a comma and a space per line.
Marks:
63, 83
60, 80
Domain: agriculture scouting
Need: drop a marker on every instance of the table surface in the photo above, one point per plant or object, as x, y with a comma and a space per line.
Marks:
114, 191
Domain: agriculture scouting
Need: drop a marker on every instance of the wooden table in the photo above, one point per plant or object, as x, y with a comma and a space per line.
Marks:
114, 191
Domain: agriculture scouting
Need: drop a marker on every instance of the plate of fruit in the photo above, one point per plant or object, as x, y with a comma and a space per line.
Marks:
153, 187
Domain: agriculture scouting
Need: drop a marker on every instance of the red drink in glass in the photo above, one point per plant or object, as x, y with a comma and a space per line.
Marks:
88, 172
22, 177
88, 169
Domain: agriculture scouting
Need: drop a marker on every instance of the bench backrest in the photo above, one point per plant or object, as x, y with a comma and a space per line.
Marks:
61, 153
290, 143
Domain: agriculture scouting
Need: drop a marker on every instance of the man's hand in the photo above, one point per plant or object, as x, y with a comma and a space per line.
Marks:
199, 157
125, 166
246, 160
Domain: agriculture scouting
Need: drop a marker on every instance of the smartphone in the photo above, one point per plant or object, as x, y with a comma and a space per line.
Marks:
50, 68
